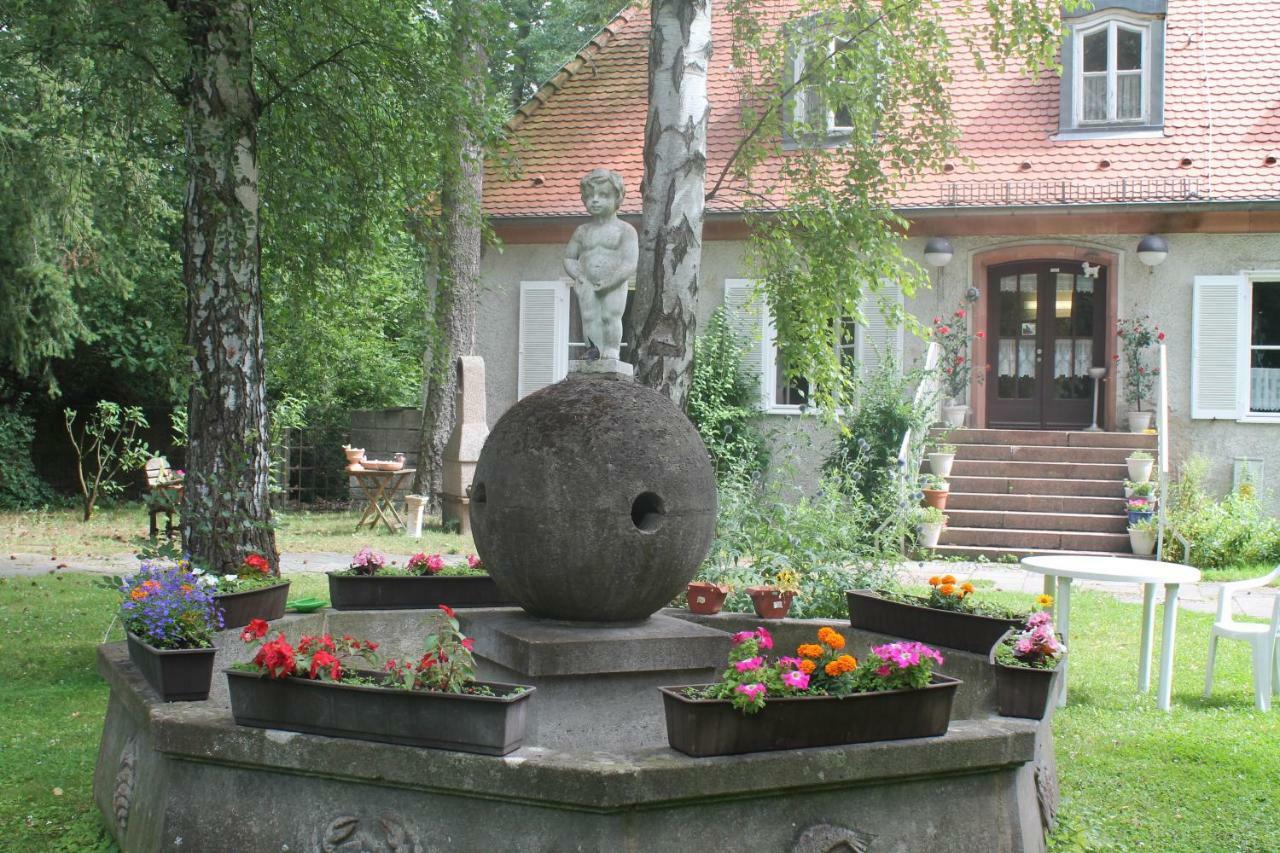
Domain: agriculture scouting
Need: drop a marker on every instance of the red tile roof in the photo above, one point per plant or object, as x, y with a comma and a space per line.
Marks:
1221, 123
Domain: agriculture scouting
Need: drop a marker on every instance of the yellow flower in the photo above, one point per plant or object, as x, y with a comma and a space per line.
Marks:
1044, 600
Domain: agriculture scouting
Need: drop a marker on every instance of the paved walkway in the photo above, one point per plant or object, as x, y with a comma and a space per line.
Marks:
1201, 597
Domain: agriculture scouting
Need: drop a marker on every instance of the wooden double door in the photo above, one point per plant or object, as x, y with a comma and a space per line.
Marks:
1046, 326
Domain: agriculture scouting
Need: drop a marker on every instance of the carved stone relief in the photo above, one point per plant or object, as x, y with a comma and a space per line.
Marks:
350, 834
825, 838
122, 798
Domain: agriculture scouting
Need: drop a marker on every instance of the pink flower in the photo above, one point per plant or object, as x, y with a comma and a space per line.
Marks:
1160, 337
435, 563
944, 330
960, 313
749, 664
981, 334
789, 662
742, 636
797, 679
1040, 617
1024, 646
765, 638
882, 671
751, 691
473, 561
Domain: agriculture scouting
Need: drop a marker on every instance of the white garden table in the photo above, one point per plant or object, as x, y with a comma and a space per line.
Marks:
1060, 570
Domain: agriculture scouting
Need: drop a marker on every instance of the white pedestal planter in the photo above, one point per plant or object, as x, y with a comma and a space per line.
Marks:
1139, 469
415, 506
927, 534
1143, 542
1139, 421
953, 416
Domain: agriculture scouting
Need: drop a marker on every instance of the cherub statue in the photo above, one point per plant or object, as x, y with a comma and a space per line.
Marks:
601, 258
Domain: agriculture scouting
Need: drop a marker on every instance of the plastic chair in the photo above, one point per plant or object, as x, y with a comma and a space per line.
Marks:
1263, 638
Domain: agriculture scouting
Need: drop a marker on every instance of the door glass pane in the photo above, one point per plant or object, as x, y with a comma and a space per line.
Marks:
1082, 312
1095, 51
1026, 369
1095, 97
1266, 314
1264, 381
1128, 50
1063, 291
1027, 284
1129, 95
1008, 306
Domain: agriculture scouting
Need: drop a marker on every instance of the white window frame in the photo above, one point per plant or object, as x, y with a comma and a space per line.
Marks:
1110, 24
769, 379
801, 95
1245, 392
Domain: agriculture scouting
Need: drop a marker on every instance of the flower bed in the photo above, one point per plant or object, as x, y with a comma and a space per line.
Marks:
424, 582
947, 617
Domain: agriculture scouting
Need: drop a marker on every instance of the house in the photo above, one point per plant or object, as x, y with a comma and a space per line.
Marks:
1164, 123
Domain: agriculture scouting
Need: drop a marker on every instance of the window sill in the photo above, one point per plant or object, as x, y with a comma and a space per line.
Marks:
1259, 419
788, 410
1145, 131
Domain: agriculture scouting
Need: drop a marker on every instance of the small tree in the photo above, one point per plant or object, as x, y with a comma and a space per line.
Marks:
106, 445
722, 403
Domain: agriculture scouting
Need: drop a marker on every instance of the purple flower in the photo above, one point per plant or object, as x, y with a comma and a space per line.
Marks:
751, 691
797, 679
749, 664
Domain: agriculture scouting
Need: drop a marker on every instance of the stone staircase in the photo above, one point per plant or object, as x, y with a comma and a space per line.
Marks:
1023, 492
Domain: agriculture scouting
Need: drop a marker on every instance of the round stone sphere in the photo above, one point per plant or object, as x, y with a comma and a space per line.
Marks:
593, 501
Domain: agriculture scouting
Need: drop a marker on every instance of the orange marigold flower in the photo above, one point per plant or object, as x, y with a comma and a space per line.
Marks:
947, 590
966, 587
137, 593
832, 669
186, 587
807, 667
809, 650
831, 637
935, 581
948, 579
846, 663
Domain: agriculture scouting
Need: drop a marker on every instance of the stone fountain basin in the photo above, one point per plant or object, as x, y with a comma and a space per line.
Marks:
187, 771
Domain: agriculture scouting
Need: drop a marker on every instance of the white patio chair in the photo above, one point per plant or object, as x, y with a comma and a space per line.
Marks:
1263, 638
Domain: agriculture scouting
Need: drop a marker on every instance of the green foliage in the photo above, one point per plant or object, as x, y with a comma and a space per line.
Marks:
106, 445
831, 541
1223, 532
20, 485
724, 403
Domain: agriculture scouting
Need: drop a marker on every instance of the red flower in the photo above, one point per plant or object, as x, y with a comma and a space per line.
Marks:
255, 630
447, 610
370, 645
981, 334
1160, 337
258, 563
944, 330
1115, 357
960, 313
937, 320
469, 644
322, 660
959, 359
276, 657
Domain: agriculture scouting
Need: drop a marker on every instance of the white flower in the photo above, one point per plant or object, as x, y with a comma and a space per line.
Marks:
209, 580
229, 577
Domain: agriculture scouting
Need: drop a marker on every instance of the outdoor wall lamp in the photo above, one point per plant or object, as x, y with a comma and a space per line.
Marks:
1153, 249
938, 252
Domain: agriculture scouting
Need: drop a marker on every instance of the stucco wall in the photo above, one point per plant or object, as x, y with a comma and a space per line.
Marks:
1164, 292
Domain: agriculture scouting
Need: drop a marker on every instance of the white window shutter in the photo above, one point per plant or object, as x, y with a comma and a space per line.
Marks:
747, 318
544, 335
881, 335
1219, 342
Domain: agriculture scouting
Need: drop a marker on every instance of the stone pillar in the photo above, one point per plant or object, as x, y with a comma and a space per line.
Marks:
463, 450
415, 506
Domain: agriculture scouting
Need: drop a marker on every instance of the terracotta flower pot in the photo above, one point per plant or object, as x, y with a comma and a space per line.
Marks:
706, 598
936, 498
770, 602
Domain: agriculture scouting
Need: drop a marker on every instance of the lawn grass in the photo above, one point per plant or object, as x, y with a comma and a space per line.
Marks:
113, 530
1205, 777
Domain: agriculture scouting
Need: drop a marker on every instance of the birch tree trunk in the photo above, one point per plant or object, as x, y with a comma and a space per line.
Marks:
455, 302
227, 511
675, 166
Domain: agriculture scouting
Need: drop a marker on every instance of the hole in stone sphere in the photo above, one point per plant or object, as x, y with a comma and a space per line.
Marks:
477, 493
647, 512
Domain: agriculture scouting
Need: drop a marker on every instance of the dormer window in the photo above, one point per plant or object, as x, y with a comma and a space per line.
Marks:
1113, 69
1114, 66
809, 106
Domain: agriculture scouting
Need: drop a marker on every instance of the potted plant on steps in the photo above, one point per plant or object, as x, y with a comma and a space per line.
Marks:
773, 601
1137, 337
706, 598
821, 696
952, 334
170, 618
1142, 537
935, 490
941, 458
948, 616
1140, 509
370, 584
1139, 463
251, 592
929, 524
1139, 490
434, 701
1026, 662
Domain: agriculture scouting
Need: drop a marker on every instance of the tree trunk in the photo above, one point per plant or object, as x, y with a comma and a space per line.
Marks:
675, 166
226, 512
455, 304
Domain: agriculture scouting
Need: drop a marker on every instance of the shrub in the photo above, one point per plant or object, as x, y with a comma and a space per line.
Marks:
723, 403
20, 485
1234, 530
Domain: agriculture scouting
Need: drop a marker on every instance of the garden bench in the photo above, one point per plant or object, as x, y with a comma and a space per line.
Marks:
164, 494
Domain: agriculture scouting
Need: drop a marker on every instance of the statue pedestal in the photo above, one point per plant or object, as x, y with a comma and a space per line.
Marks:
602, 365
455, 509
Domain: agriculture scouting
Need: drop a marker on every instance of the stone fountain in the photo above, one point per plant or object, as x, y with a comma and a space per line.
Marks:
592, 505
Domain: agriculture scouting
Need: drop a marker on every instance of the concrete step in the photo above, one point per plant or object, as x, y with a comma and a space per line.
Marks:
974, 552
1012, 519
1040, 470
1042, 453
1036, 503
1109, 488
1052, 539
1045, 438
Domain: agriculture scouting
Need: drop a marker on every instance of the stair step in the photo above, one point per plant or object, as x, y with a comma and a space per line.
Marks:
1036, 503
1012, 519
1045, 438
1105, 488
1039, 470
1054, 539
973, 552
1042, 453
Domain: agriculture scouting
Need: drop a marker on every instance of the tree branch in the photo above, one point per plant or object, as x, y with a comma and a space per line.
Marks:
297, 78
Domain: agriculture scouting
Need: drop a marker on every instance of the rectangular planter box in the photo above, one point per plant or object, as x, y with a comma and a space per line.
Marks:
703, 727
488, 725
354, 592
241, 608
1022, 691
178, 675
964, 631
